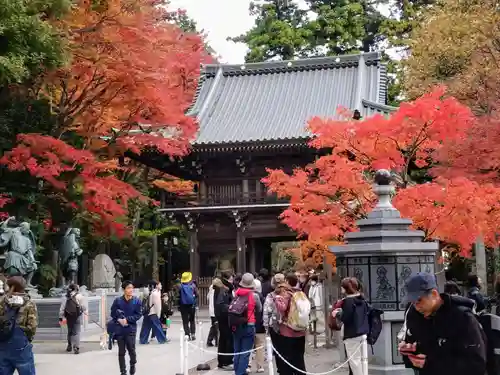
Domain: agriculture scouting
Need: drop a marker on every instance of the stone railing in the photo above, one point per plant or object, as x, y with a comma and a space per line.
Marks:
98, 307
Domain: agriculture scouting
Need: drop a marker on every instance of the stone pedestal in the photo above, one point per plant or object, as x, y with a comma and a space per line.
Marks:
383, 255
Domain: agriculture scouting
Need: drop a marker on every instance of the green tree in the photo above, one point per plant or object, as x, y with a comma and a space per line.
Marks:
283, 30
280, 32
29, 43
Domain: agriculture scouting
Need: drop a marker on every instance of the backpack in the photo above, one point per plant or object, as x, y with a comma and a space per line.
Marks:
8, 323
375, 325
238, 311
72, 309
490, 325
187, 294
146, 308
299, 308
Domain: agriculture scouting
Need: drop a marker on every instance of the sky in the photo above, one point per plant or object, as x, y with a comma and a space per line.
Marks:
220, 19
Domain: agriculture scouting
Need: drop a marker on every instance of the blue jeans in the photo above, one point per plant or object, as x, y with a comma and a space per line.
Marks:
243, 337
151, 323
17, 354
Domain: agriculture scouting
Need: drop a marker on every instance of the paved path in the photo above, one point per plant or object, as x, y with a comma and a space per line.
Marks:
151, 359
317, 361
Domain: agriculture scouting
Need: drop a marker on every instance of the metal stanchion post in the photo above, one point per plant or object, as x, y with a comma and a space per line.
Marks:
181, 352
186, 355
202, 366
364, 356
269, 354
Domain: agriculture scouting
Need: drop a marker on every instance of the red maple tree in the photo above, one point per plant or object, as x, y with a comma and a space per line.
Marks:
131, 78
328, 196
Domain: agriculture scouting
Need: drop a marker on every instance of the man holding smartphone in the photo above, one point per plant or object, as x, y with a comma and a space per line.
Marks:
442, 334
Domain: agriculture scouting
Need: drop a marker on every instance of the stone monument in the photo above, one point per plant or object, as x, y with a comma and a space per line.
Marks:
383, 255
103, 272
20, 254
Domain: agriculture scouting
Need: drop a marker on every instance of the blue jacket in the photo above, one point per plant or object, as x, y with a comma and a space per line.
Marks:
130, 310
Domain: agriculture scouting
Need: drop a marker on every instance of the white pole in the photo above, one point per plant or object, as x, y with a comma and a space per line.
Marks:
200, 342
181, 351
186, 352
364, 356
269, 354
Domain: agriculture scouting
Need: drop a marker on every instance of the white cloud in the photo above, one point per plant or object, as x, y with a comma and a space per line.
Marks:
220, 19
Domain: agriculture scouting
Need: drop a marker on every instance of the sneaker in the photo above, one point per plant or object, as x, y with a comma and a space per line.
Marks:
193, 338
228, 368
260, 370
249, 370
69, 348
76, 350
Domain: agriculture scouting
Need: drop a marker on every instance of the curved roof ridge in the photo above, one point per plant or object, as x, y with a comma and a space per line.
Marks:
371, 58
378, 106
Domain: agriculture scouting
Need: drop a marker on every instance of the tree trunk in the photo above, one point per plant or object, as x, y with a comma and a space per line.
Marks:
155, 270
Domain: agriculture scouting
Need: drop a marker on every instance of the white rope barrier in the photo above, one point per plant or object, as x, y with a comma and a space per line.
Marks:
319, 373
226, 354
186, 345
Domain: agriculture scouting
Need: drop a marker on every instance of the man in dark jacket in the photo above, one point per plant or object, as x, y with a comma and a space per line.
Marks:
125, 312
265, 280
223, 295
442, 334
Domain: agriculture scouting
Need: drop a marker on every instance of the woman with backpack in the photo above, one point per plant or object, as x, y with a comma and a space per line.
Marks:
294, 307
271, 319
353, 311
243, 312
71, 310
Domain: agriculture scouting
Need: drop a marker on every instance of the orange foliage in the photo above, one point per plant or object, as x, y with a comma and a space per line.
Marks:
131, 71
176, 186
328, 196
78, 176
131, 78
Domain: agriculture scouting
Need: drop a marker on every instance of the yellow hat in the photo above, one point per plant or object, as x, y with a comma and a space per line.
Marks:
186, 277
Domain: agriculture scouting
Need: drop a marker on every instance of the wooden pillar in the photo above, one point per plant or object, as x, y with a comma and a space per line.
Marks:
241, 260
194, 256
253, 256
246, 193
155, 268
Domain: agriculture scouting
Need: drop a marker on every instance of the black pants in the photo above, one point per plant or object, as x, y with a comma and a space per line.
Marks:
225, 342
277, 339
214, 331
293, 351
188, 313
126, 343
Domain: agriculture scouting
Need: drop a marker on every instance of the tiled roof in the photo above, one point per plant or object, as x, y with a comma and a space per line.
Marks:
274, 100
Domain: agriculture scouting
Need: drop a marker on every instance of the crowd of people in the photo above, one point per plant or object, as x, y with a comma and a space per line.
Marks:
244, 309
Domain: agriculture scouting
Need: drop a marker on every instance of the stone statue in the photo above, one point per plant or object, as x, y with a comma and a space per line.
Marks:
68, 256
20, 256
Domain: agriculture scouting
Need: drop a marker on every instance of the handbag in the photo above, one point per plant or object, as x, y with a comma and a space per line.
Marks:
334, 321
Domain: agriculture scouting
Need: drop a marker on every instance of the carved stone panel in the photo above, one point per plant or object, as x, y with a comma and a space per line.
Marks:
383, 286
397, 358
361, 272
404, 273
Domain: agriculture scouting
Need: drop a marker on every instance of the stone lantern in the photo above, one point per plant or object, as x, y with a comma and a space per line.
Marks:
383, 255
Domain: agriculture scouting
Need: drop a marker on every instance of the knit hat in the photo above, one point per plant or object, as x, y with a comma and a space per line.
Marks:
247, 281
186, 277
278, 280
